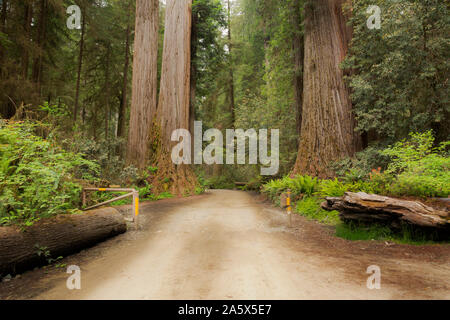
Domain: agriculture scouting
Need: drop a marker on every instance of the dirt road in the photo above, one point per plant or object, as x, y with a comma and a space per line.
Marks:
231, 245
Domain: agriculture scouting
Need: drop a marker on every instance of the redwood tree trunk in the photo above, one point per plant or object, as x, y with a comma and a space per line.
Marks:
3, 26
298, 48
145, 70
4, 15
28, 16
80, 66
107, 94
231, 85
193, 85
38, 61
174, 98
124, 97
327, 132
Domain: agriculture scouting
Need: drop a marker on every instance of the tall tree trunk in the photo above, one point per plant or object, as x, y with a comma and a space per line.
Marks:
4, 15
3, 28
124, 98
107, 93
80, 66
193, 84
327, 132
145, 77
37, 65
231, 85
174, 101
28, 16
298, 54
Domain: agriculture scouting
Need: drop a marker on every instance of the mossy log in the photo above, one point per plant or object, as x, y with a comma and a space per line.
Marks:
21, 250
368, 208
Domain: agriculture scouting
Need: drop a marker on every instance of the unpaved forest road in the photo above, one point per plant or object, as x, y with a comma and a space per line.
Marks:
231, 245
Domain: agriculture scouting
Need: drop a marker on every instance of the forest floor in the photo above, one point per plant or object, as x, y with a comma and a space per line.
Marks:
234, 245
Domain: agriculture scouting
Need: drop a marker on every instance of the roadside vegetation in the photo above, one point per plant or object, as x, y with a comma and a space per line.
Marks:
413, 167
40, 179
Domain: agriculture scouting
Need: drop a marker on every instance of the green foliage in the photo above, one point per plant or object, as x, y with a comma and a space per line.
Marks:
405, 153
359, 167
355, 232
37, 178
220, 182
332, 188
413, 167
45, 253
401, 83
420, 169
299, 185
310, 207
199, 190
405, 235
429, 178
254, 184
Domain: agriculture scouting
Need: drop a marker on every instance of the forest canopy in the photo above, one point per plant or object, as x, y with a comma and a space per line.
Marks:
110, 92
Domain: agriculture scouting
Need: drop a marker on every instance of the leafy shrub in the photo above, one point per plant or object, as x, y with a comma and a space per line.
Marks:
332, 188
310, 207
430, 177
405, 154
359, 168
298, 185
37, 178
220, 182
303, 185
419, 169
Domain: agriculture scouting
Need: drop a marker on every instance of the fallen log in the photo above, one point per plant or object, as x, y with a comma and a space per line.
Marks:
366, 208
54, 237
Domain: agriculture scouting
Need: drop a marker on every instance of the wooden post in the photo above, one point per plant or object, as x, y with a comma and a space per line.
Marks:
289, 207
136, 207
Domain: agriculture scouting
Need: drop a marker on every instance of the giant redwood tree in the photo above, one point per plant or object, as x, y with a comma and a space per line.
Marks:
173, 110
145, 70
327, 132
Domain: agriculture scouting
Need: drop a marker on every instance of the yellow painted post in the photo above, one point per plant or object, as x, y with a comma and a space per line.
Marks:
289, 207
136, 207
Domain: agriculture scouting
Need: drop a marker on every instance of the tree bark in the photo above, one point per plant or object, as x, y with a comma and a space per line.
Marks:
80, 66
145, 77
28, 16
38, 61
327, 133
193, 78
3, 26
231, 84
107, 93
60, 236
4, 15
298, 55
174, 99
124, 98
